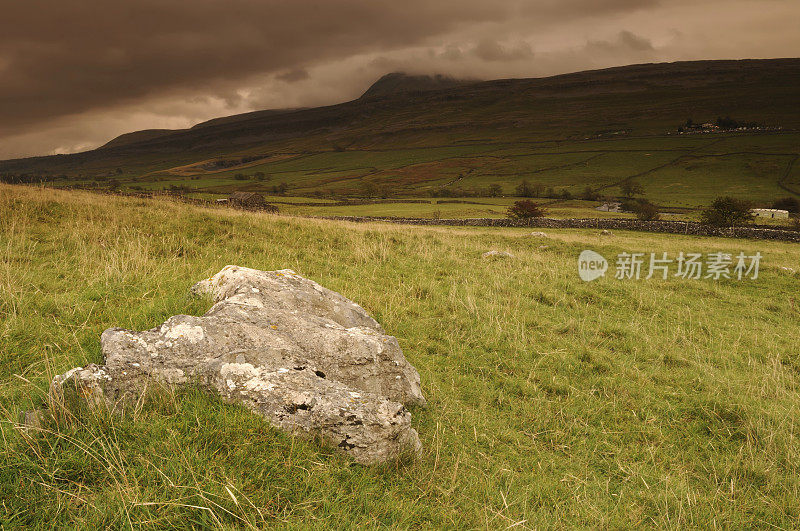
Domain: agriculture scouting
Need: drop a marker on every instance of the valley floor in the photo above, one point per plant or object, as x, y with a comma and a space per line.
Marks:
676, 172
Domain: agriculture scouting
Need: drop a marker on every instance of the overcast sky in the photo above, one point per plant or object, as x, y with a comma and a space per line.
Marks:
76, 73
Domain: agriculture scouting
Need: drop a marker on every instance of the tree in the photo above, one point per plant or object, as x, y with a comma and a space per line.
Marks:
524, 189
368, 189
727, 212
384, 191
495, 190
590, 194
525, 209
787, 203
631, 188
280, 189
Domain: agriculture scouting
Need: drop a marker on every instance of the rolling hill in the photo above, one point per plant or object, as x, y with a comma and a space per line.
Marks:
421, 135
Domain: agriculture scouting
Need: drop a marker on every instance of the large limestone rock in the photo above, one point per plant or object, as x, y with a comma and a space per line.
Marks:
304, 357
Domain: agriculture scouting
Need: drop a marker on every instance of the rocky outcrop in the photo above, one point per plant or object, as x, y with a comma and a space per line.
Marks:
306, 358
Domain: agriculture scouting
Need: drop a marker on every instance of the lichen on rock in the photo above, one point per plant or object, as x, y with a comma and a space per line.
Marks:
306, 358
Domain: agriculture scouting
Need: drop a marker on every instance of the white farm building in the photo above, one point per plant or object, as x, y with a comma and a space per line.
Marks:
772, 213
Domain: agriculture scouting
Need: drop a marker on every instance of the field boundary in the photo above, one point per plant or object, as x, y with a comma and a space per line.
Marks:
670, 227
758, 232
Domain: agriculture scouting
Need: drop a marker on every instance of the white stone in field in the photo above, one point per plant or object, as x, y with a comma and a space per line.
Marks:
497, 254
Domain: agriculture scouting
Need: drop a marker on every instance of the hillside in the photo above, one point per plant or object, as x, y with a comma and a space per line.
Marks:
675, 410
411, 136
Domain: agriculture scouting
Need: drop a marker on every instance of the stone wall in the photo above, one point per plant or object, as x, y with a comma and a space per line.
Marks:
671, 227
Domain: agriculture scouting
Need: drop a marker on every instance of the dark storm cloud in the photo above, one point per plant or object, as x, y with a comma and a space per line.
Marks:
66, 57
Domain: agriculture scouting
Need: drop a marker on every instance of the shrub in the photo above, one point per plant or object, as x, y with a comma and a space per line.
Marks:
525, 209
727, 212
628, 205
646, 211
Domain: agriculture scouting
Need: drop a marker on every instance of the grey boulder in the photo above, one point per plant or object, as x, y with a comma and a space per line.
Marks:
304, 357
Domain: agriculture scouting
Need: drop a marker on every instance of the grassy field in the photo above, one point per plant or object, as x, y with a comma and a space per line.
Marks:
676, 171
686, 172
553, 403
496, 207
478, 207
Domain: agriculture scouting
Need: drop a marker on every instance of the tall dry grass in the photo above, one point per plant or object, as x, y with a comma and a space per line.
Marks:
553, 403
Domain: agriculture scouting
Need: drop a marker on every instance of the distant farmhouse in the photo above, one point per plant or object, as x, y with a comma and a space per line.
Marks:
772, 213
251, 201
610, 207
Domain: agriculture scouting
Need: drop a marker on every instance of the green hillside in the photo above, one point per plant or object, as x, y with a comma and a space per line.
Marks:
552, 403
449, 138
